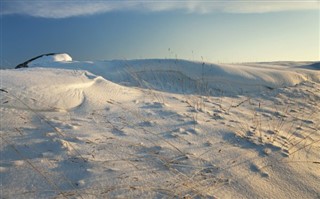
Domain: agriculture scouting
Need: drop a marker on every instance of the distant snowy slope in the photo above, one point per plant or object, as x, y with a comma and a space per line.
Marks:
314, 66
183, 76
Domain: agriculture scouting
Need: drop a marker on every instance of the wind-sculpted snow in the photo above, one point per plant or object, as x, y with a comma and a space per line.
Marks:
181, 76
44, 59
60, 89
160, 129
314, 66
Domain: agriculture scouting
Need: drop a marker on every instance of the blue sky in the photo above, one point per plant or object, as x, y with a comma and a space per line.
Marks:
215, 31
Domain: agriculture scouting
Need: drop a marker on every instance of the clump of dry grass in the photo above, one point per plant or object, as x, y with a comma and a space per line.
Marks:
290, 127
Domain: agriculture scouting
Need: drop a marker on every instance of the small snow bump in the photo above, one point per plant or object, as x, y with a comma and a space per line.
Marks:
267, 151
80, 183
3, 169
18, 163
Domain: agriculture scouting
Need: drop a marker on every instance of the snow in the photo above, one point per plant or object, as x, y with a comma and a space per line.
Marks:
160, 128
47, 59
229, 78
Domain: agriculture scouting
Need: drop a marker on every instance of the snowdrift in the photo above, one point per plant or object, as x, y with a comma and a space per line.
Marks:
44, 59
159, 129
181, 76
47, 59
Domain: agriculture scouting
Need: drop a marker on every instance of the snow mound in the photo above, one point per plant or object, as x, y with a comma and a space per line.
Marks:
182, 76
55, 89
50, 58
69, 129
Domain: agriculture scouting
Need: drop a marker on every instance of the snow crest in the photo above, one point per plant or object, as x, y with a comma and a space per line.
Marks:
44, 60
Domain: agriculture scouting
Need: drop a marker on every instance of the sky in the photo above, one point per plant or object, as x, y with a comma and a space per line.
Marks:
212, 31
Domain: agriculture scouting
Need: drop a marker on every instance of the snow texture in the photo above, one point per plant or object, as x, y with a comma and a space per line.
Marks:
159, 128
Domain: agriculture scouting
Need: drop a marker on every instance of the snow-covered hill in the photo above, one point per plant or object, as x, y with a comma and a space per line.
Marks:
170, 75
160, 129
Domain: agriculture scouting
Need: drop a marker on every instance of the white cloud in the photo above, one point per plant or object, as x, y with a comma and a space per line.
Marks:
71, 8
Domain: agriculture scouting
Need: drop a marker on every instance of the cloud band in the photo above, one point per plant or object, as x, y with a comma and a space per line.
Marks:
72, 8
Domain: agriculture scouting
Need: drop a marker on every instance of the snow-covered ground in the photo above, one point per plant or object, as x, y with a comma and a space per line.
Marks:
160, 129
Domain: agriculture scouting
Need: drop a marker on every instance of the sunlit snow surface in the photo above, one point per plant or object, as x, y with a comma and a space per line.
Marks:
160, 129
49, 59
